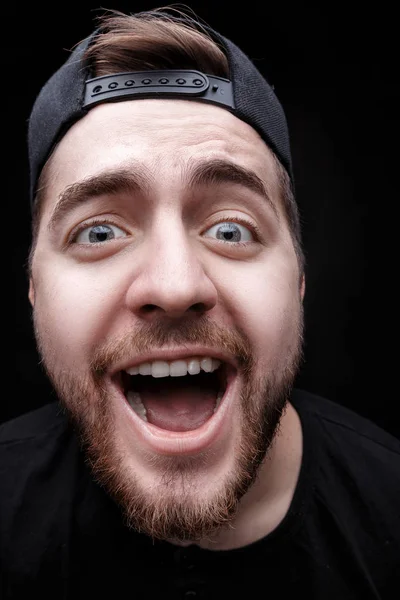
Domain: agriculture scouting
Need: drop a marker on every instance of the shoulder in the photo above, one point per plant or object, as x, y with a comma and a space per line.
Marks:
32, 440
38, 453
350, 456
32, 425
351, 476
337, 420
39, 471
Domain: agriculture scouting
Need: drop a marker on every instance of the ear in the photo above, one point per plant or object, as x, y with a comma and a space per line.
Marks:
303, 287
31, 293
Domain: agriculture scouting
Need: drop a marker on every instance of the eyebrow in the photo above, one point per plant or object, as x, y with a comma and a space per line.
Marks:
217, 171
137, 179
132, 180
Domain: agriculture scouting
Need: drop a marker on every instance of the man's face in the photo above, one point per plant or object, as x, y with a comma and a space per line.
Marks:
147, 251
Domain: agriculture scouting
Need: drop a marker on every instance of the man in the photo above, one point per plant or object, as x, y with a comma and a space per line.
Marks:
167, 280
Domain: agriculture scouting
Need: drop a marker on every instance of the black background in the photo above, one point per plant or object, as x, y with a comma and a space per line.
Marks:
335, 71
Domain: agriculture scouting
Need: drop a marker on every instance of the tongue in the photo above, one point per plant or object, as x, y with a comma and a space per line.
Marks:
177, 404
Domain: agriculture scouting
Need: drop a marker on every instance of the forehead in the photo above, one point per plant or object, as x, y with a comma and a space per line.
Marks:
163, 137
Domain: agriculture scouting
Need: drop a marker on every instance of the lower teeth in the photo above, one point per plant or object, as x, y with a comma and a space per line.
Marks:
218, 402
136, 403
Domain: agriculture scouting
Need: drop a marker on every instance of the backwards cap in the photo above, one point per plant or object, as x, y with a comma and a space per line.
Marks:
72, 91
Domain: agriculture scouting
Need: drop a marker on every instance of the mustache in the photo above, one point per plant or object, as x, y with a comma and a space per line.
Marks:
151, 337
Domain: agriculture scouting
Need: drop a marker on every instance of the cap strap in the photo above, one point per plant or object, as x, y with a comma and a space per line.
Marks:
156, 84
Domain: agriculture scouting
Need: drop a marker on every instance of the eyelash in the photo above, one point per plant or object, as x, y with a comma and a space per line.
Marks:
241, 221
91, 223
256, 231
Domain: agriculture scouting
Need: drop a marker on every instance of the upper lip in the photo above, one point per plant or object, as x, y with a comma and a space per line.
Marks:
175, 354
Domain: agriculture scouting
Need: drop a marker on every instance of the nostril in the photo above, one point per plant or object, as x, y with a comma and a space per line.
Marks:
199, 307
149, 308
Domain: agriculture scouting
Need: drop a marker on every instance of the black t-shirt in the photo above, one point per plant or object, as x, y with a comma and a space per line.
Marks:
62, 537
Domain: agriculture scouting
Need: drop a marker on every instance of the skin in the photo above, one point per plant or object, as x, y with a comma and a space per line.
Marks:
165, 280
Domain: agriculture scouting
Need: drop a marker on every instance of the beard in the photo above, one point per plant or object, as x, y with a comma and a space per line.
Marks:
172, 509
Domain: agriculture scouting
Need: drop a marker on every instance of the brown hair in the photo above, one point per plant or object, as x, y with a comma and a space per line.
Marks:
153, 41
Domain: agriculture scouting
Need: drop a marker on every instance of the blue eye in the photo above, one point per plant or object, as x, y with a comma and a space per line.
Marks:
97, 234
228, 231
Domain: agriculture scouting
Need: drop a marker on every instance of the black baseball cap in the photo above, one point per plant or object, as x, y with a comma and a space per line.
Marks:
72, 91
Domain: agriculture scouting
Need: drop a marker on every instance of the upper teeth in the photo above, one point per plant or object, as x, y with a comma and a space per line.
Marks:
176, 368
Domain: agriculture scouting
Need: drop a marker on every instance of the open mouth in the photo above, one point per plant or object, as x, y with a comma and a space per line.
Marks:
177, 403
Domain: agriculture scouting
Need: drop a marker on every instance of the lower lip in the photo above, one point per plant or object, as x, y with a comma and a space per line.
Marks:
183, 443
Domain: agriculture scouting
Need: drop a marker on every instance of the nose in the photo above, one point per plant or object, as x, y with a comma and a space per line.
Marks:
170, 279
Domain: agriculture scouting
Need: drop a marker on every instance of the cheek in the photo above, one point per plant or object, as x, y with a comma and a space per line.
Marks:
73, 310
271, 311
